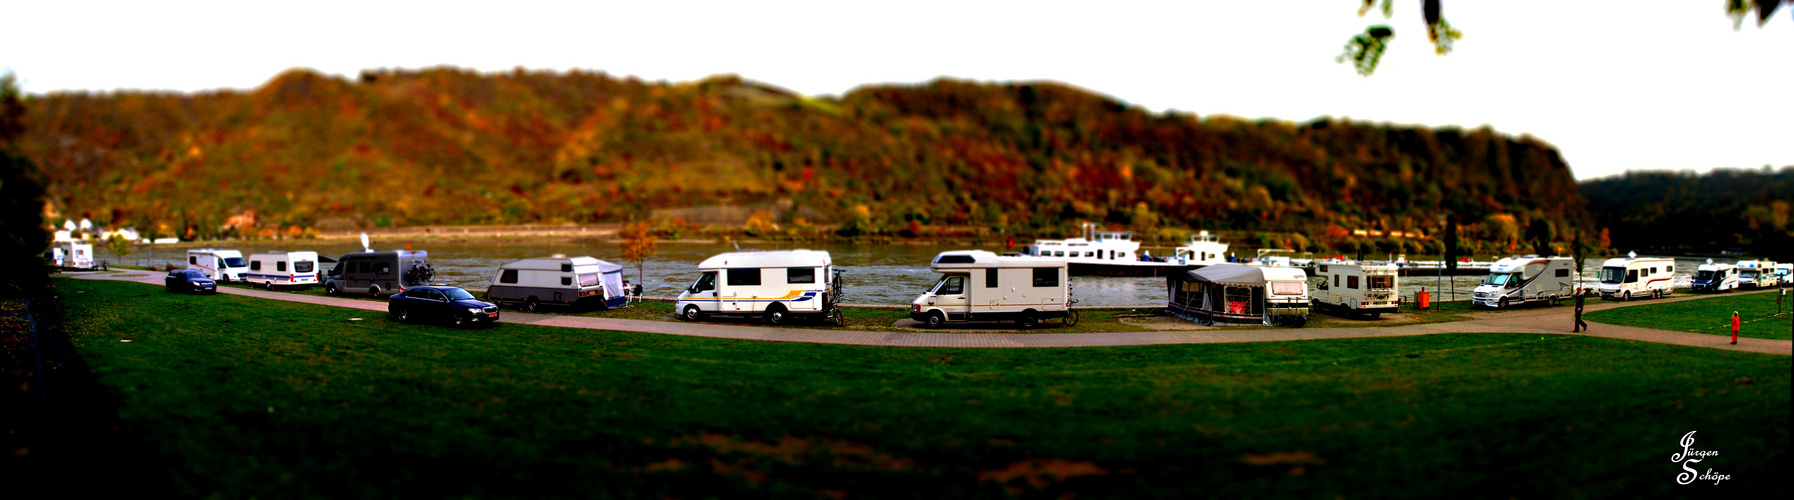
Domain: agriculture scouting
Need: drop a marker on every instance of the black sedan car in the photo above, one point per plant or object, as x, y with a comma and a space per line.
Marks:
189, 280
444, 304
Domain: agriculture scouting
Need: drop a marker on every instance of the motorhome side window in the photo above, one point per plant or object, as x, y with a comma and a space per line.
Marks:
509, 276
280, 266
566, 281
800, 275
255, 265
362, 267
990, 278
1352, 282
743, 277
1046, 276
1565, 273
383, 268
192, 260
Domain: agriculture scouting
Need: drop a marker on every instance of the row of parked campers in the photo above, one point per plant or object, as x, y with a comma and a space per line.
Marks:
269, 269
1712, 277
373, 273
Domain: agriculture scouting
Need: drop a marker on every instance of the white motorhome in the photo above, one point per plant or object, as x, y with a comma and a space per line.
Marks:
564, 281
273, 269
1785, 272
1757, 274
1520, 280
1712, 277
1624, 278
775, 285
73, 254
218, 264
977, 285
1363, 288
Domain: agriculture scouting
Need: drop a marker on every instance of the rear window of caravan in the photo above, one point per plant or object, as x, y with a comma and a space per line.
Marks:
588, 280
304, 266
1288, 288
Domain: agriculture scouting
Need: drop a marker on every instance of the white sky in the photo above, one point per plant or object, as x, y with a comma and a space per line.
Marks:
1615, 85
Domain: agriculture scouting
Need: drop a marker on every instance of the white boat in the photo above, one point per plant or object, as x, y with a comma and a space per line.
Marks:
1110, 253
1202, 249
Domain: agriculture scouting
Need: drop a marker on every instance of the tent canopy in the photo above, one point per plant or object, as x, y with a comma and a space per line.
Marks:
1225, 274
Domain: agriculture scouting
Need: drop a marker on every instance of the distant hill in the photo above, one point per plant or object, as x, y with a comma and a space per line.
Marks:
1685, 212
445, 146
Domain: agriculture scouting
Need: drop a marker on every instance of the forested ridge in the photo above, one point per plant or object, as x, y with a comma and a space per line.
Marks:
1661, 211
448, 146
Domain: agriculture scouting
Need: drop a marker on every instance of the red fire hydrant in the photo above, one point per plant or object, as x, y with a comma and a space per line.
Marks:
1424, 298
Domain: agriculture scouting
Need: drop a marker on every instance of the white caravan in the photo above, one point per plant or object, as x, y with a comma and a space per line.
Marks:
775, 285
1757, 274
73, 254
1624, 278
1363, 288
218, 264
1712, 277
565, 281
976, 285
1519, 280
273, 269
1785, 272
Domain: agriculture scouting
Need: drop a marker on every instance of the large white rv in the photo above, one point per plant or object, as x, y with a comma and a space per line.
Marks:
564, 281
218, 264
73, 254
1624, 278
1712, 277
1785, 272
775, 285
976, 285
1757, 274
1362, 288
1518, 280
271, 269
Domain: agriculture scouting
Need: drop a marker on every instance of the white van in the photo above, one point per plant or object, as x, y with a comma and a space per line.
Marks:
564, 281
1519, 280
977, 285
1757, 274
1624, 278
273, 269
1362, 288
1712, 277
222, 265
775, 285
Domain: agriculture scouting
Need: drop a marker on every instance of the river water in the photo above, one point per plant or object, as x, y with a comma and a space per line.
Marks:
876, 274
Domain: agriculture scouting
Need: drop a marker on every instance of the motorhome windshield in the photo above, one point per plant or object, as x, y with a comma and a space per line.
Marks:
1502, 279
1704, 275
1613, 274
235, 262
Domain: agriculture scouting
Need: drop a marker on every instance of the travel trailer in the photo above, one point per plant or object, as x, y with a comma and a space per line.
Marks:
273, 269
1624, 278
73, 254
1757, 274
562, 281
1241, 294
379, 273
775, 285
1519, 280
976, 285
1712, 277
1105, 253
1362, 288
218, 264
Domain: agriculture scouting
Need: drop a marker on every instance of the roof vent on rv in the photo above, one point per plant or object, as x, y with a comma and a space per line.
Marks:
1632, 254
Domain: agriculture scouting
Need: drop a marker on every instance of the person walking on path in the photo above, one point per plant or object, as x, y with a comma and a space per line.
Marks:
1734, 327
1581, 293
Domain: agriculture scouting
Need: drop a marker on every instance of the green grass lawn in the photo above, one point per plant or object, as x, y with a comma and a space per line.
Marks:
243, 397
1711, 315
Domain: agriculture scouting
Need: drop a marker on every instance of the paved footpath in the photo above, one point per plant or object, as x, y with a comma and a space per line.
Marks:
1548, 320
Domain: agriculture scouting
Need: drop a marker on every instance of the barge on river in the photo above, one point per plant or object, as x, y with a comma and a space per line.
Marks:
1106, 253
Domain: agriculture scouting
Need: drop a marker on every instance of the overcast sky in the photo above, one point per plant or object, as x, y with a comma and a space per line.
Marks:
1614, 85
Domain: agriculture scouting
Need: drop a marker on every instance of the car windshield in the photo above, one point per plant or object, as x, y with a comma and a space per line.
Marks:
234, 262
1612, 274
457, 294
1501, 279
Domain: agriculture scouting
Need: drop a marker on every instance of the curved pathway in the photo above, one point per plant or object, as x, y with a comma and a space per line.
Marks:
1549, 320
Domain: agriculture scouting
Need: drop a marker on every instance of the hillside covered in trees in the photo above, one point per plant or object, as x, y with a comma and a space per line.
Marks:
446, 146
1685, 212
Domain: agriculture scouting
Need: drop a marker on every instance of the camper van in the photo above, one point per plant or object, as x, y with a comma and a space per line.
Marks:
273, 269
1361, 288
1712, 277
977, 285
218, 264
1785, 272
379, 273
1624, 278
73, 254
1239, 293
1757, 274
1519, 280
562, 281
775, 285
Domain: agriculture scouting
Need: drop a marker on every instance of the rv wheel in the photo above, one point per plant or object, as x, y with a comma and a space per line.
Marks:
270, 285
1626, 296
1502, 304
775, 316
692, 313
531, 305
937, 320
374, 290
1028, 321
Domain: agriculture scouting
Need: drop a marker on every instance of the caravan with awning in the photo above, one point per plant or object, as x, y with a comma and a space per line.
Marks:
1237, 293
561, 281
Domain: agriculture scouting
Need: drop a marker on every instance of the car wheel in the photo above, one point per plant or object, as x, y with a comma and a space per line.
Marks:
692, 313
374, 290
270, 285
937, 320
404, 316
1028, 321
775, 316
460, 320
330, 289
